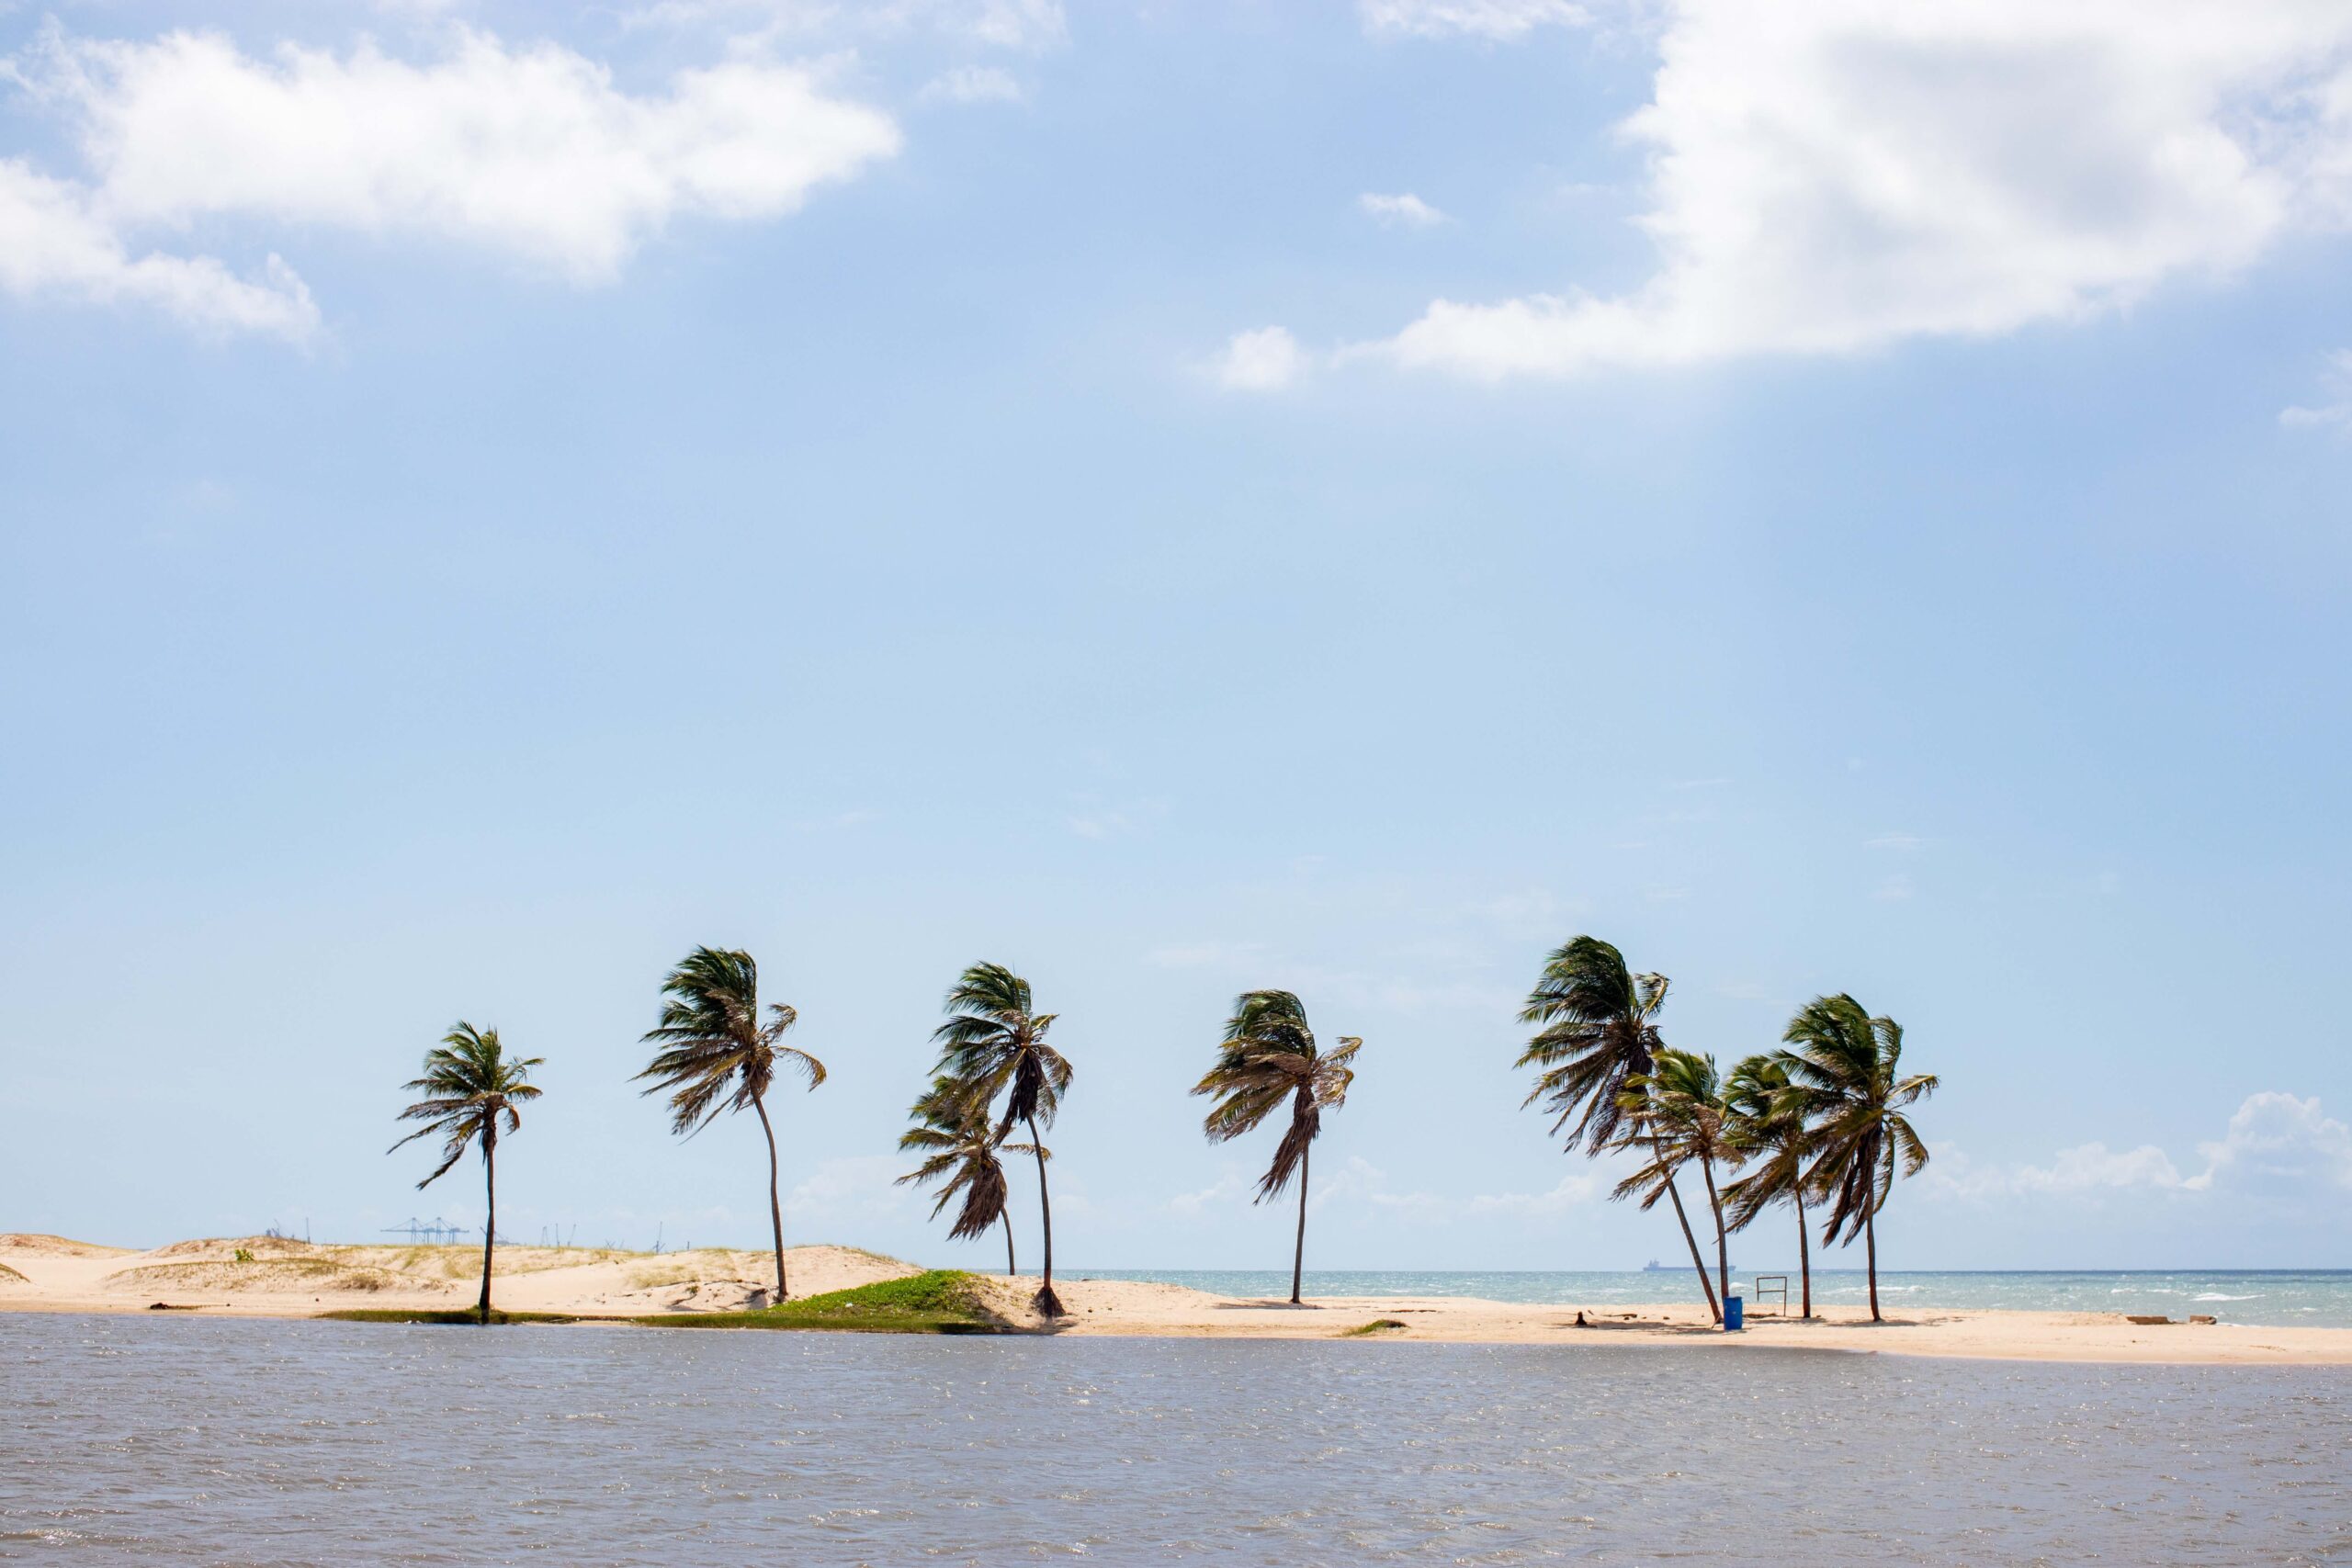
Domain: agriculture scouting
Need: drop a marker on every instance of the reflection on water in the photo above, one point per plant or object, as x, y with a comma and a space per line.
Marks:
2310, 1298
254, 1442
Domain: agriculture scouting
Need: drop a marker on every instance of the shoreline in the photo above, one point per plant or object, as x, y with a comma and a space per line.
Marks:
257, 1277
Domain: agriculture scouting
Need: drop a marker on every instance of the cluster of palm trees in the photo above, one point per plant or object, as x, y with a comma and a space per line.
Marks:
1822, 1120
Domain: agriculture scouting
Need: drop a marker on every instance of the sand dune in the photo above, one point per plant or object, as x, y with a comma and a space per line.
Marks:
273, 1277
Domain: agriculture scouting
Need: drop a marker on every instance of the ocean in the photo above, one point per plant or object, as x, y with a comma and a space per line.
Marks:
2274, 1298
256, 1442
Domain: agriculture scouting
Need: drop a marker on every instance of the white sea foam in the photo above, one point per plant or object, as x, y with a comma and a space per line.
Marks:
2217, 1296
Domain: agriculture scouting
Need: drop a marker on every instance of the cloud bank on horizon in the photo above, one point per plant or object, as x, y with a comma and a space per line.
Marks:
1829, 176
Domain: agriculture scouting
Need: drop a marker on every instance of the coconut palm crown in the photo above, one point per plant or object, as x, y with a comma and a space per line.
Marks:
1677, 1113
471, 1088
1269, 1056
718, 1054
993, 1045
1770, 1121
960, 1147
1597, 1033
1850, 1067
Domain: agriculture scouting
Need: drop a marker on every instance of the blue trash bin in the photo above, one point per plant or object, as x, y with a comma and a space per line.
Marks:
1733, 1316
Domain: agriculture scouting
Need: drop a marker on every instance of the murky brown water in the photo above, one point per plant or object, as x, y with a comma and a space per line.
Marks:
251, 1442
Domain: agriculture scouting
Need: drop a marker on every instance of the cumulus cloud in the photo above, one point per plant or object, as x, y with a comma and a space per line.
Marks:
1476, 18
845, 1191
1027, 25
2277, 1144
54, 247
1401, 211
1264, 360
530, 151
1826, 176
2335, 414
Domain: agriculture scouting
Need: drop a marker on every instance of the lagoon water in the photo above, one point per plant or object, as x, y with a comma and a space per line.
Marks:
257, 1442
2277, 1298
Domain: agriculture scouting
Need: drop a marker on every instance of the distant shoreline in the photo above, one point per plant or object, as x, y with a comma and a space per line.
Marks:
270, 1277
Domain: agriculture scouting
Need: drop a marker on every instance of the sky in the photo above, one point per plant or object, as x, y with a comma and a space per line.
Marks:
1177, 499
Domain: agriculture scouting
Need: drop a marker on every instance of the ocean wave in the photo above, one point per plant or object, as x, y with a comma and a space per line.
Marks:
2217, 1296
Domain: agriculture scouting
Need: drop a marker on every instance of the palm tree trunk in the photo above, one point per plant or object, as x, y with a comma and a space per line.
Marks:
1722, 1247
1804, 1257
1299, 1253
1006, 1218
1046, 1301
1716, 1311
776, 1205
1869, 1234
490, 1226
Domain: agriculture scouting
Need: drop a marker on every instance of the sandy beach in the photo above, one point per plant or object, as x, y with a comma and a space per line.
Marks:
275, 1277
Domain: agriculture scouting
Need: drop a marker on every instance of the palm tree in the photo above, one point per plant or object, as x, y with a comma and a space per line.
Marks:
1269, 1055
716, 1055
962, 1146
1850, 1067
994, 1044
470, 1086
1770, 1121
1598, 1034
1679, 1110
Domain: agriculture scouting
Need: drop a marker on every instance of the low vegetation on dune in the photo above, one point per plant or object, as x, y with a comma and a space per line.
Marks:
265, 1275
55, 1246
942, 1301
10, 1277
1373, 1330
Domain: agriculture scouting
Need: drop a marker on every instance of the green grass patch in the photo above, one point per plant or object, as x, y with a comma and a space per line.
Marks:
943, 1301
1377, 1325
434, 1314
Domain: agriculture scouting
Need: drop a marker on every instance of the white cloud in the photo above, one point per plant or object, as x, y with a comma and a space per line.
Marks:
1265, 360
2277, 1144
1827, 176
532, 151
1894, 889
1405, 210
2335, 414
1478, 18
52, 248
973, 84
848, 1191
1893, 841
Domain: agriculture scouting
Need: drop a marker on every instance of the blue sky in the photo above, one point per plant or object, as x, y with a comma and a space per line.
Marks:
492, 496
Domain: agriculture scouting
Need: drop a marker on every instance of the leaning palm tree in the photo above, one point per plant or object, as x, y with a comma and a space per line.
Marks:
470, 1086
994, 1044
1849, 1065
1598, 1034
960, 1147
1269, 1055
1770, 1121
716, 1055
1680, 1117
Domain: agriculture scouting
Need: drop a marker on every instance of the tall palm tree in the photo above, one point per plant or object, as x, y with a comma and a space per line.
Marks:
1770, 1120
1269, 1055
994, 1044
471, 1087
961, 1146
1677, 1105
716, 1055
1598, 1034
1849, 1065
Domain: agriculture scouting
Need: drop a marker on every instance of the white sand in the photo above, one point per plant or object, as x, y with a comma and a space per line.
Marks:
293, 1280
